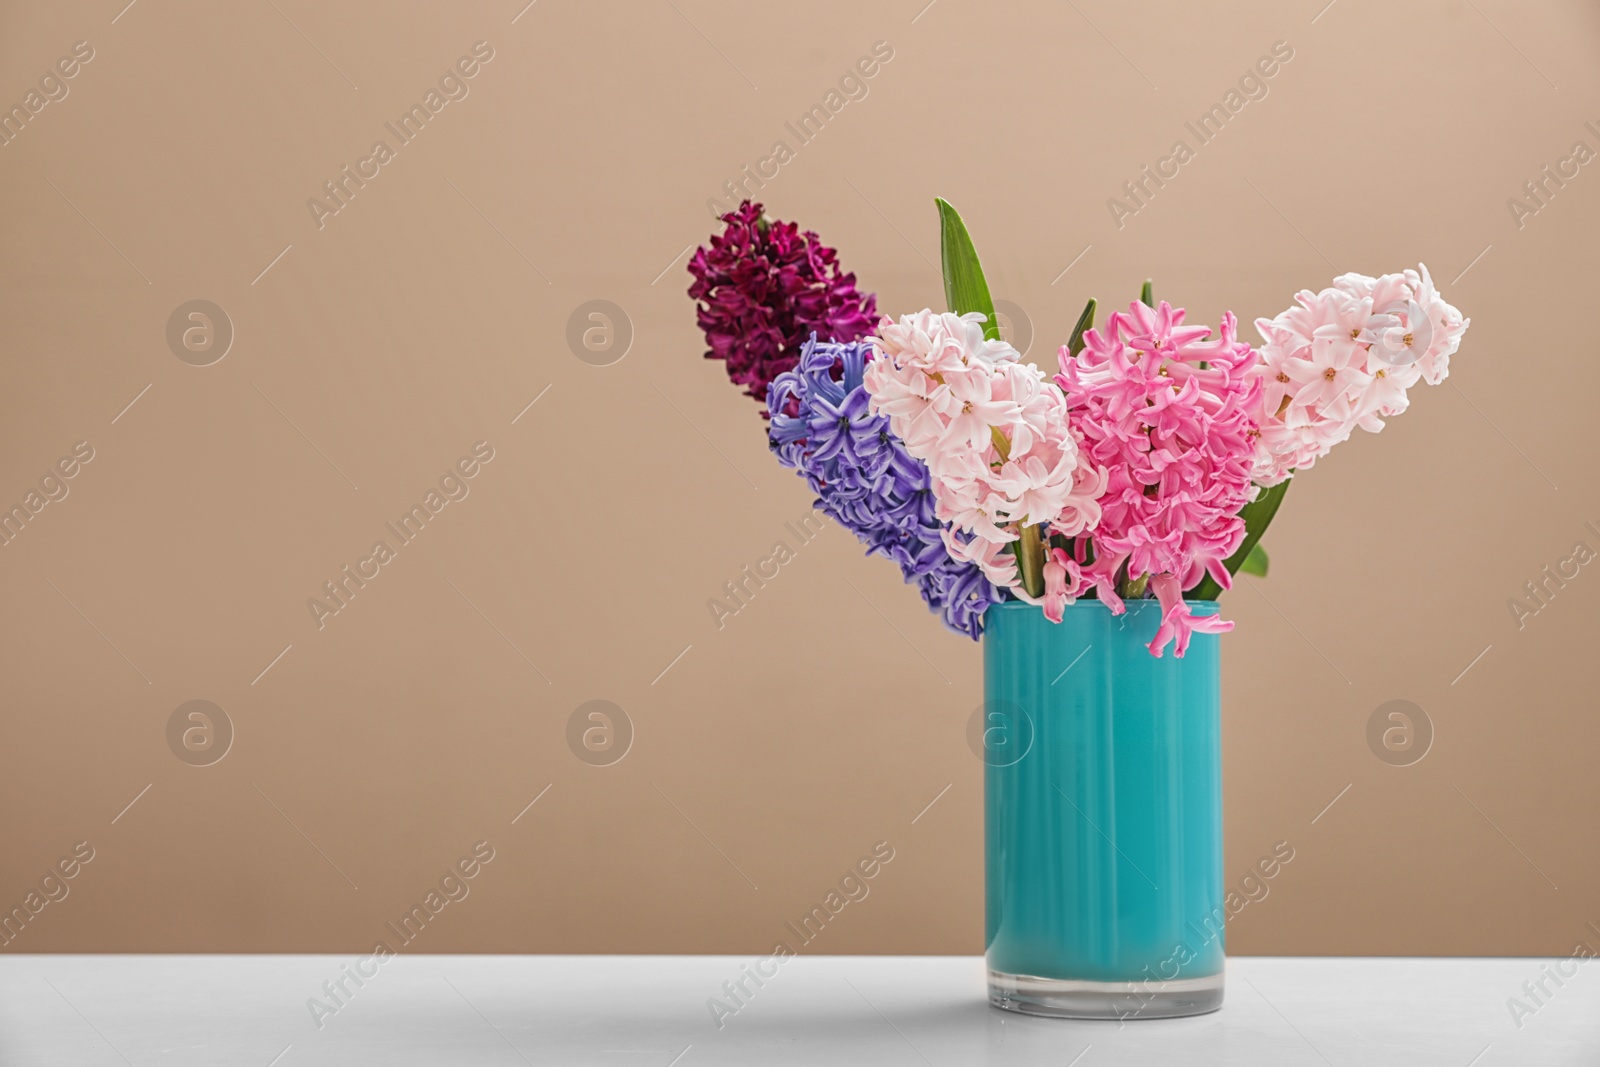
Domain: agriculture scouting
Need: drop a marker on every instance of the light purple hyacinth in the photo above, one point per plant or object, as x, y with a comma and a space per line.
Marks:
867, 481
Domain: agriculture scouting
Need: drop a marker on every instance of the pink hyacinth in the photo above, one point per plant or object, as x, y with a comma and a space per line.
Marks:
993, 432
1343, 359
1169, 415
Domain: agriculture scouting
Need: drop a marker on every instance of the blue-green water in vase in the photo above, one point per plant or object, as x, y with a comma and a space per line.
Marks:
1103, 805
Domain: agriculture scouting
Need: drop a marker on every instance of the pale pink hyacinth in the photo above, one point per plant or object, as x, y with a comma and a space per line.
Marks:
1344, 358
1170, 416
993, 432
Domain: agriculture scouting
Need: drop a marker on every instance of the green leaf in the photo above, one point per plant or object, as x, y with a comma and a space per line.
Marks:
1256, 562
1085, 322
1147, 292
1257, 515
965, 289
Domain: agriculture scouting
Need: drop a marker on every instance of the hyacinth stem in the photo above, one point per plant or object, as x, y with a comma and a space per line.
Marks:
1030, 559
1029, 545
1001, 445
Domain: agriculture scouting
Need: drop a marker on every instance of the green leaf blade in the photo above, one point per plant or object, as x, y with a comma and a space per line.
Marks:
1257, 515
1256, 562
965, 288
1085, 323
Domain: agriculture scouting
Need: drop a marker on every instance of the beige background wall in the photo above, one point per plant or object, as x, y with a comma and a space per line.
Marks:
375, 351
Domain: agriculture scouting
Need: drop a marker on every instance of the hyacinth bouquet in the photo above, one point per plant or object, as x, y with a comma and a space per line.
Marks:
1147, 466
1081, 520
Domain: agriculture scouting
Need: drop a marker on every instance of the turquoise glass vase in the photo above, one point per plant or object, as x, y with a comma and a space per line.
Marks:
1103, 814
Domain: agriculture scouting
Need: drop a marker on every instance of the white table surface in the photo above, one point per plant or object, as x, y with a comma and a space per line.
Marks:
650, 1011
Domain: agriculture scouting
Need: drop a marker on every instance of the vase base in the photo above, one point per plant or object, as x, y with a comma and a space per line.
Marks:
1068, 998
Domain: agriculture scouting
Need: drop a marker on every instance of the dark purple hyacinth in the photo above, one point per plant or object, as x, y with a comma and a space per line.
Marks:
865, 479
763, 288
